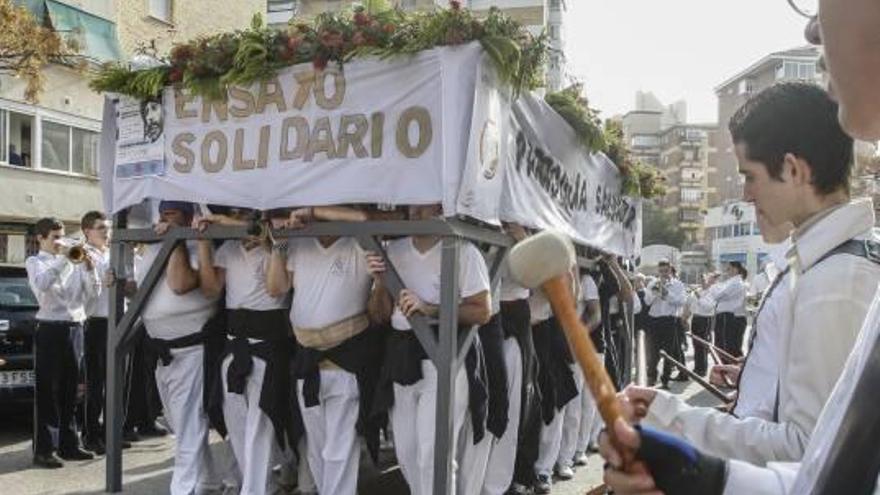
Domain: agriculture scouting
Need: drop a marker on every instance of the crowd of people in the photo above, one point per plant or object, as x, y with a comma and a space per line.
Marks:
294, 350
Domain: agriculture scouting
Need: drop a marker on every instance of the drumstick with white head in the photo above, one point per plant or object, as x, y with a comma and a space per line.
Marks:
544, 260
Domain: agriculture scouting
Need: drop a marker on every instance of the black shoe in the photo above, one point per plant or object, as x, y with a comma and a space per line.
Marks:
664, 386
131, 436
76, 455
126, 444
97, 447
681, 378
152, 431
48, 461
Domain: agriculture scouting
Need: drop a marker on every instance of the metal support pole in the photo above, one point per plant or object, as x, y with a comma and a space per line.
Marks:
121, 328
446, 367
113, 408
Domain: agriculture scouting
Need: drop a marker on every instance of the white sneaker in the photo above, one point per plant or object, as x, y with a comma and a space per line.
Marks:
564, 473
580, 459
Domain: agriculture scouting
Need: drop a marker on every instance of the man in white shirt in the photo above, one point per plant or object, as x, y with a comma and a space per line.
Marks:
665, 296
175, 318
96, 230
339, 348
729, 298
808, 187
255, 370
413, 413
61, 288
701, 313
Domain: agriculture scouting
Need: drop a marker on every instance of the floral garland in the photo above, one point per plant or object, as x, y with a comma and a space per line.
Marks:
208, 65
639, 180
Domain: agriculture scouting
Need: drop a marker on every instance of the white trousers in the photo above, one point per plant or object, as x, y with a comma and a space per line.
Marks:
413, 419
571, 423
180, 387
589, 418
551, 441
499, 472
251, 432
332, 446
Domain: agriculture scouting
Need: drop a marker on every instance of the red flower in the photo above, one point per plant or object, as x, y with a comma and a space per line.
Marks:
294, 42
455, 4
332, 39
180, 54
176, 75
389, 28
358, 39
361, 19
320, 62
454, 37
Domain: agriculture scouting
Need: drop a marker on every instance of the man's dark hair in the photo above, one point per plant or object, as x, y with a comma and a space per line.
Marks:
45, 226
89, 219
739, 268
798, 118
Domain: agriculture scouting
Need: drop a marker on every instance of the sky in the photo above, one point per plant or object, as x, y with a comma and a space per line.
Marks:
677, 49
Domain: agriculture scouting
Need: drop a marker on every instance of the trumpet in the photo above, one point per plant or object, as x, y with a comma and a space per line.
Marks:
74, 250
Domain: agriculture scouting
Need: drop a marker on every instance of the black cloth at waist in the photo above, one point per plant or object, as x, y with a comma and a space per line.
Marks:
555, 376
97, 319
272, 329
492, 342
163, 347
58, 323
403, 365
360, 355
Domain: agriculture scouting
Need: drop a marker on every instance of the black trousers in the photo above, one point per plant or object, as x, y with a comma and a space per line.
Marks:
700, 327
58, 349
729, 332
96, 377
143, 405
663, 338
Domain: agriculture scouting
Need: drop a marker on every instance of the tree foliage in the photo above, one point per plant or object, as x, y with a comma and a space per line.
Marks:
26, 47
660, 227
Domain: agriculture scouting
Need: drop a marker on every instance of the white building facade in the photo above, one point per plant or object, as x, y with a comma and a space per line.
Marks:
733, 234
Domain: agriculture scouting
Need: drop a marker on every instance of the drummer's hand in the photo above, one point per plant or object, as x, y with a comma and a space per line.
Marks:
637, 401
635, 478
718, 373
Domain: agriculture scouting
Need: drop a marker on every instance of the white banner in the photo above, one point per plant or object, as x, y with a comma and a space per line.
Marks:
379, 131
550, 181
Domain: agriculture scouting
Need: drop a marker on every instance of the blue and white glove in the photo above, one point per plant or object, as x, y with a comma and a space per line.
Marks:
677, 467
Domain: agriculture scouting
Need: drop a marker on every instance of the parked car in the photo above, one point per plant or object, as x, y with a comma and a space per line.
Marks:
18, 310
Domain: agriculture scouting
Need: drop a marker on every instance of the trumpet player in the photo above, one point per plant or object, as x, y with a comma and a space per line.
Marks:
62, 287
665, 296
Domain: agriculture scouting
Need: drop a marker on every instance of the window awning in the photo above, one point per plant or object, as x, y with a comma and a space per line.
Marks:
96, 35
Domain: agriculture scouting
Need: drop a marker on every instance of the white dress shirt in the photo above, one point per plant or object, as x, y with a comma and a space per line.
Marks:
671, 304
61, 287
700, 306
820, 312
729, 296
780, 478
99, 304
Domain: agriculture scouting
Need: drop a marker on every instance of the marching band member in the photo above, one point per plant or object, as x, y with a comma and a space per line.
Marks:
665, 296
701, 311
413, 376
62, 289
96, 230
176, 319
729, 298
255, 371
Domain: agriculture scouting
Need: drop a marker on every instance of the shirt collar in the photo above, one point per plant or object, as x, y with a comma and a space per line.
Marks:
828, 229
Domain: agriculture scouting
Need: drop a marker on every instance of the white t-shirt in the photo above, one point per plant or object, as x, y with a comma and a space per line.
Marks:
539, 307
246, 277
588, 292
420, 273
510, 290
168, 315
329, 284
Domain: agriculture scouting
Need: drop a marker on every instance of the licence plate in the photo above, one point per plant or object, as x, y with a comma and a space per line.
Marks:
16, 378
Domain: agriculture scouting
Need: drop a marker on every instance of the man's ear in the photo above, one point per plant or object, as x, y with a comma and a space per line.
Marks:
798, 169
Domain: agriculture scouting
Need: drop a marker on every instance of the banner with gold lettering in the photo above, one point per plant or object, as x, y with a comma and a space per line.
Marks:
376, 131
551, 181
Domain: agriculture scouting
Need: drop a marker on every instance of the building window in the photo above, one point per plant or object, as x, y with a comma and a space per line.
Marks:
407, 4
160, 9
56, 146
796, 70
19, 133
85, 152
645, 141
554, 32
746, 86
555, 4
691, 195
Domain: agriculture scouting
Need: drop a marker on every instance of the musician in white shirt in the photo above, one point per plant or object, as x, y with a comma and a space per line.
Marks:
665, 296
62, 289
729, 297
701, 313
96, 229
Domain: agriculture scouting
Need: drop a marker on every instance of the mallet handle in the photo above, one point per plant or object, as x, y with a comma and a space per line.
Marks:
561, 299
